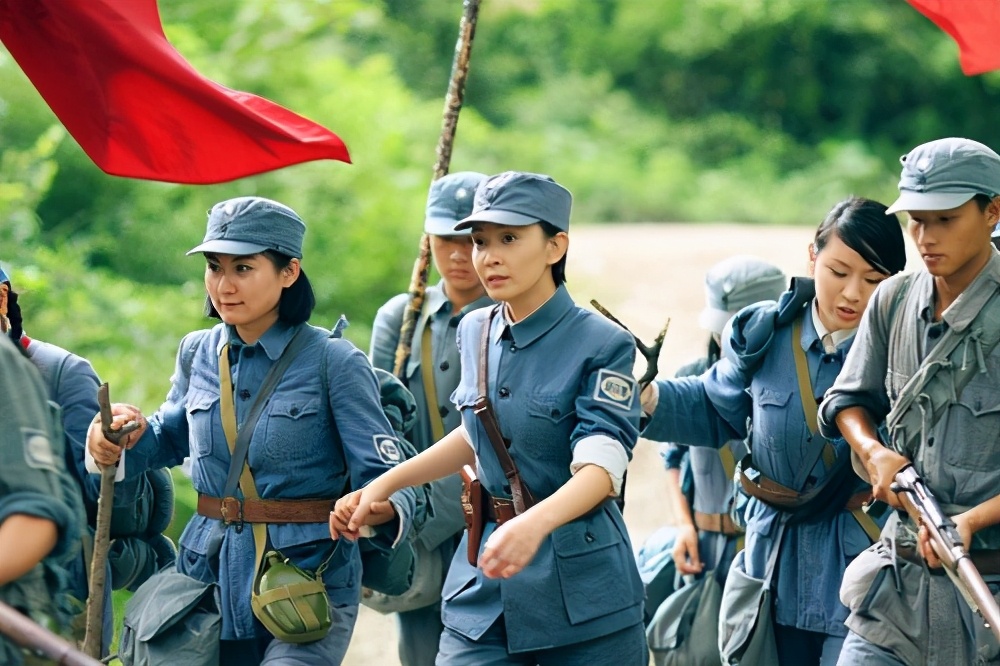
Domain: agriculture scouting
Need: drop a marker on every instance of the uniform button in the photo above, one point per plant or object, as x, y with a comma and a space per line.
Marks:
588, 537
934, 332
555, 413
504, 392
294, 411
443, 411
249, 351
513, 348
930, 442
244, 394
444, 366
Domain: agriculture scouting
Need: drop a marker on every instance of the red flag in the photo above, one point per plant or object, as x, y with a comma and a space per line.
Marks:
974, 24
137, 108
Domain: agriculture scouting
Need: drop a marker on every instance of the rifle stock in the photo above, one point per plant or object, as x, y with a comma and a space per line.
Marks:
925, 511
31, 636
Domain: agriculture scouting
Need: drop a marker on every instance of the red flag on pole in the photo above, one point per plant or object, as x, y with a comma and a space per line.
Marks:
974, 24
137, 108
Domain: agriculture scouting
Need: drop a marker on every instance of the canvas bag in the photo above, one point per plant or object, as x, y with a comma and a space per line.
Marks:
685, 629
746, 627
657, 570
172, 619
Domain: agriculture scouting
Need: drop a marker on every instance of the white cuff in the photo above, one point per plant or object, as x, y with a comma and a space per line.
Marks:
606, 453
93, 468
650, 398
467, 436
402, 522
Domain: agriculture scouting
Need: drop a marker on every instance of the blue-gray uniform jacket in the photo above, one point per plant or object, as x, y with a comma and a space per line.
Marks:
305, 445
714, 408
561, 375
447, 518
712, 488
34, 482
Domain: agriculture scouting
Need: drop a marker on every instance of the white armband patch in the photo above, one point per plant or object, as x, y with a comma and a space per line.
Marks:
615, 389
387, 449
38, 450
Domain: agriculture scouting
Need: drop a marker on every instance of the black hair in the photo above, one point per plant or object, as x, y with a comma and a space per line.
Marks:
714, 351
558, 268
984, 201
14, 316
865, 227
297, 301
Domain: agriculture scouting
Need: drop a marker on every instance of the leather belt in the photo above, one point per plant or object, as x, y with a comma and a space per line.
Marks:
719, 523
234, 510
499, 510
858, 500
987, 562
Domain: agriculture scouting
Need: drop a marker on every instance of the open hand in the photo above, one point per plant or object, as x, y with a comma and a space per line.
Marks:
511, 547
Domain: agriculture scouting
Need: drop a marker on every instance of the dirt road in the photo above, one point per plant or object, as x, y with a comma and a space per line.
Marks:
642, 274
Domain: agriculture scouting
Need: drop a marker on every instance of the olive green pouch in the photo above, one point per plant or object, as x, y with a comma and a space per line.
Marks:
289, 601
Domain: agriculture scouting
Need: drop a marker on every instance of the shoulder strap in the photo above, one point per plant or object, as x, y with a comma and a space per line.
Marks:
519, 491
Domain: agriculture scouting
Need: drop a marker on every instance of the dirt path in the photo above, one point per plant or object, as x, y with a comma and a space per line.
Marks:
642, 274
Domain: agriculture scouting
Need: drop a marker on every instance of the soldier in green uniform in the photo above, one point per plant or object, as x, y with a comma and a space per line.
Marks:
41, 514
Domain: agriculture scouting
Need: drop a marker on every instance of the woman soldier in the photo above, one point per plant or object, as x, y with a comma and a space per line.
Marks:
778, 359
555, 583
706, 533
321, 430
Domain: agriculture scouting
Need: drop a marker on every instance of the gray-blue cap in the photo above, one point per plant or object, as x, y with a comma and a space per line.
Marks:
449, 200
946, 173
517, 199
250, 225
3, 276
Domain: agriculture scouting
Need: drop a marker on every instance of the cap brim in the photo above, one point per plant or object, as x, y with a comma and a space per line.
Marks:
443, 226
236, 248
909, 200
714, 320
495, 216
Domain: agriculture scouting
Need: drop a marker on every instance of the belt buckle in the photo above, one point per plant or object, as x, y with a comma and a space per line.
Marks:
232, 512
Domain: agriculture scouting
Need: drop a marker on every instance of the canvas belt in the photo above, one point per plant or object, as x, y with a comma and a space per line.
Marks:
987, 562
235, 510
718, 523
499, 510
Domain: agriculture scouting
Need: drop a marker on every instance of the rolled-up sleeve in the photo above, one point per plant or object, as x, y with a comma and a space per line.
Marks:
861, 382
606, 453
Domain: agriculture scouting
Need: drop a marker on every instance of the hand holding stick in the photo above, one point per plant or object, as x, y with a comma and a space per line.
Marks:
650, 352
102, 536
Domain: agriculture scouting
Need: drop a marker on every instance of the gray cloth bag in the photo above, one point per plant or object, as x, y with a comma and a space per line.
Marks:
684, 630
172, 619
746, 627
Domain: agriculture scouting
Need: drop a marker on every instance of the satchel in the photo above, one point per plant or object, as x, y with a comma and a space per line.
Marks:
657, 570
746, 627
425, 581
672, 637
172, 619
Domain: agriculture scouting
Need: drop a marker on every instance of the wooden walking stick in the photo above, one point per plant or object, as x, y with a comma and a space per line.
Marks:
650, 352
452, 105
20, 630
102, 536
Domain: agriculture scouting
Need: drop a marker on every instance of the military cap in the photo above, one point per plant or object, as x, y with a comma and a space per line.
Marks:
733, 284
250, 225
944, 174
517, 199
450, 200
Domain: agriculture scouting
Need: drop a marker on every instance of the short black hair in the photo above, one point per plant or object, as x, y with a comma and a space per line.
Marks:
297, 301
984, 201
558, 268
865, 227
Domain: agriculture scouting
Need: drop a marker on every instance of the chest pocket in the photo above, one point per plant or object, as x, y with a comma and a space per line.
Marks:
553, 407
546, 432
973, 431
292, 430
772, 420
201, 424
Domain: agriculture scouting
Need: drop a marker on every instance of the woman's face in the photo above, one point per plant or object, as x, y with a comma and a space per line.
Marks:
514, 263
246, 290
844, 284
453, 261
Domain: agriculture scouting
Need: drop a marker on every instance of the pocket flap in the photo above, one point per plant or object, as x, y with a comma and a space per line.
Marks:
773, 398
164, 600
294, 408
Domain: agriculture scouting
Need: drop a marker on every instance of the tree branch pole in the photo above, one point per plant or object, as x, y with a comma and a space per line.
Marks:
31, 636
452, 106
102, 535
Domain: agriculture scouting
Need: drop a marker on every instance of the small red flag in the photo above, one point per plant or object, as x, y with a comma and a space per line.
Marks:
137, 108
974, 24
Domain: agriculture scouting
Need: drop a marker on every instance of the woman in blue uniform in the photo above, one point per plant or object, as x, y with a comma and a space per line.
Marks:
778, 360
320, 430
557, 583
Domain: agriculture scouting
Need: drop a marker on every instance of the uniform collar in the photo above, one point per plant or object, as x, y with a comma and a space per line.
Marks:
273, 342
437, 300
829, 342
539, 322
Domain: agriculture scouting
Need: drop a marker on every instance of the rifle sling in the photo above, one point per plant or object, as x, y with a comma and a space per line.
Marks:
519, 491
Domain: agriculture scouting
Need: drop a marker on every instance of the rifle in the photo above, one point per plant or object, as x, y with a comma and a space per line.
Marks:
452, 105
925, 511
31, 636
102, 531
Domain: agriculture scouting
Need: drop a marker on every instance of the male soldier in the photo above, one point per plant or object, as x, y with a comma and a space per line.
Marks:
903, 611
40, 511
143, 506
432, 373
